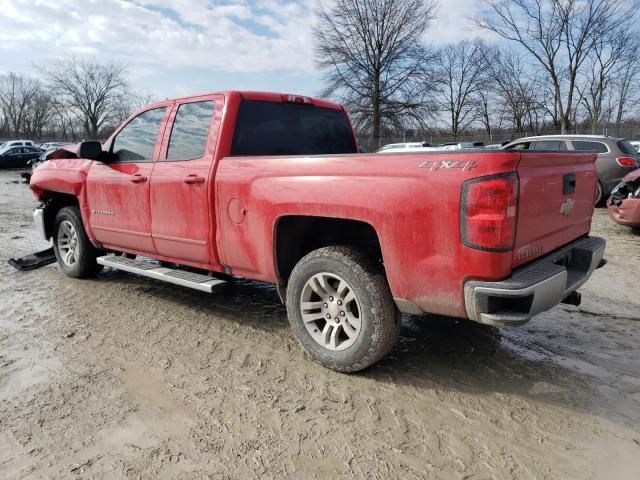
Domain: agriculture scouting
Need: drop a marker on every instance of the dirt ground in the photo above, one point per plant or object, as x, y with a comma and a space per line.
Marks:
122, 377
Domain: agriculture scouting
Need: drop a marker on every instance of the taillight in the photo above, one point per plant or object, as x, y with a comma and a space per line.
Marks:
488, 212
627, 162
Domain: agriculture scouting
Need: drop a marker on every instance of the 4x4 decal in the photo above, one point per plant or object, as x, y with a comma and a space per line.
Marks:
435, 165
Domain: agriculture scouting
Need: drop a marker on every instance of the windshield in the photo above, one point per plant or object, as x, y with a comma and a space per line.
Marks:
270, 128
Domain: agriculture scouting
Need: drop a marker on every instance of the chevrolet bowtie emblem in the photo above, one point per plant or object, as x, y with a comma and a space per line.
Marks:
567, 206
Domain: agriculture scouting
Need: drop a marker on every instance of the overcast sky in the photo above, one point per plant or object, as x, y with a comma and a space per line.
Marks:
182, 47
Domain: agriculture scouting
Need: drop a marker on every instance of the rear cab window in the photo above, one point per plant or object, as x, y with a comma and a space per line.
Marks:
272, 128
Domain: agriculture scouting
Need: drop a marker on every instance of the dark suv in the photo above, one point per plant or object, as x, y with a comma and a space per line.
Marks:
616, 156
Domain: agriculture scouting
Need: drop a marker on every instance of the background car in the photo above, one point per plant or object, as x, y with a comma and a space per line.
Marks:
16, 143
616, 156
17, 157
48, 145
403, 146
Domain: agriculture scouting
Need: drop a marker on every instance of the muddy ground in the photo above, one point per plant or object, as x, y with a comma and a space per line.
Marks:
121, 377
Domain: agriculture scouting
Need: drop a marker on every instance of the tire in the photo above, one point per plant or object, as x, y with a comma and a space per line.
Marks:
347, 285
69, 235
599, 195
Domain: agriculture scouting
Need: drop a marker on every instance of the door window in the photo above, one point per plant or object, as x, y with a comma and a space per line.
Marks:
190, 130
552, 145
137, 140
583, 146
520, 146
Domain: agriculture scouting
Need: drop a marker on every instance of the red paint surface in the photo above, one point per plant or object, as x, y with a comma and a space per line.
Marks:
230, 219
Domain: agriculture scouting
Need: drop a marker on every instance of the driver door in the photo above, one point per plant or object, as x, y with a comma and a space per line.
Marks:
118, 190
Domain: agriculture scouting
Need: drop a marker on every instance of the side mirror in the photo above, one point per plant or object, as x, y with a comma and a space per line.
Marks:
90, 150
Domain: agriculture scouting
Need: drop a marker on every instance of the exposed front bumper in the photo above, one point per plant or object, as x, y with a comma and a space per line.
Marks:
38, 218
536, 287
627, 213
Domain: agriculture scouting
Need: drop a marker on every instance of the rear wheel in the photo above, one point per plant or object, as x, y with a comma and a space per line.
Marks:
341, 309
74, 252
599, 194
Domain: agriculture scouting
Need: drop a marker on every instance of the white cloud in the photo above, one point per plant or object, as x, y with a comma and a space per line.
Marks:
166, 32
453, 22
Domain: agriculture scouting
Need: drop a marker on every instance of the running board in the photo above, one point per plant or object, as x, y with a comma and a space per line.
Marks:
183, 278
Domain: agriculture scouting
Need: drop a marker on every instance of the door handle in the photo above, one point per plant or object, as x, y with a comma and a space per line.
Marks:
192, 179
137, 178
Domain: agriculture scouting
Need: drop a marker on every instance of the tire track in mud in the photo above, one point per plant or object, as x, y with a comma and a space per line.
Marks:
157, 381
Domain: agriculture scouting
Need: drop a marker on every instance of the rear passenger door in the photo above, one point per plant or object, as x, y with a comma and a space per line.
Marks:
182, 189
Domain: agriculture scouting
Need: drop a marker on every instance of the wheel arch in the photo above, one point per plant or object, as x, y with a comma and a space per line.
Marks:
297, 235
54, 202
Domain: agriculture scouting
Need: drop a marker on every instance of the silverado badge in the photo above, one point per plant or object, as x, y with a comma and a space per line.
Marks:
567, 206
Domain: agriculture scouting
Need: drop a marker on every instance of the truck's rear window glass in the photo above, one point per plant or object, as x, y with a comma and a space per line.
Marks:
584, 146
137, 139
190, 129
270, 128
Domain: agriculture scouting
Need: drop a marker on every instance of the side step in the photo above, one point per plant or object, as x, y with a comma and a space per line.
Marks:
183, 278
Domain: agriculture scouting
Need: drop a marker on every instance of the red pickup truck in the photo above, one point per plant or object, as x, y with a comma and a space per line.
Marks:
270, 187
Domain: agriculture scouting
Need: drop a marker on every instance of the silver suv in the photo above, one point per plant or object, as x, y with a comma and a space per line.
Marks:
616, 156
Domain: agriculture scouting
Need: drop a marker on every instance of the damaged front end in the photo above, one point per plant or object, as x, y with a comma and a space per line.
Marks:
624, 203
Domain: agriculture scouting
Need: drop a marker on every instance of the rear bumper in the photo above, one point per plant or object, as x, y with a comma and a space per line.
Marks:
536, 287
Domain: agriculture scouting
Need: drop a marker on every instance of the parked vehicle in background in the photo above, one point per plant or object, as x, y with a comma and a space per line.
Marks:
262, 186
424, 147
624, 203
616, 156
48, 145
16, 143
462, 145
403, 146
17, 157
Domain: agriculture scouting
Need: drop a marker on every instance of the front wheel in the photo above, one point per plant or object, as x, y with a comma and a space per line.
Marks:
75, 254
341, 309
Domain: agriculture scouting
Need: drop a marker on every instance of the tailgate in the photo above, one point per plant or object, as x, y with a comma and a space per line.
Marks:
557, 192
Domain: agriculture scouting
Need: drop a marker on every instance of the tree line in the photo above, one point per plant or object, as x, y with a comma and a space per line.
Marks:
75, 99
557, 66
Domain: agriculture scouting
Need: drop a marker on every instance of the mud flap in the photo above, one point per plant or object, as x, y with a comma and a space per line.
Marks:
33, 261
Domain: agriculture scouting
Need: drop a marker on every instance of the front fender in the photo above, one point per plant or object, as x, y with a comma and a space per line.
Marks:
66, 177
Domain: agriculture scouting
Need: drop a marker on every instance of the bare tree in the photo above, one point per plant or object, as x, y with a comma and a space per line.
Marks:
558, 34
375, 60
460, 78
91, 90
613, 58
16, 97
520, 89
